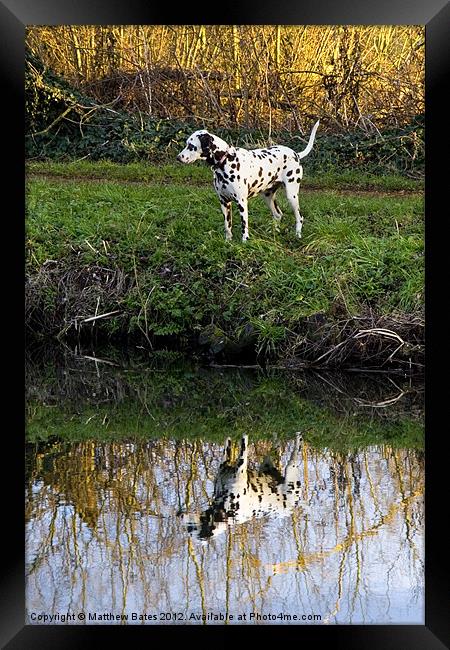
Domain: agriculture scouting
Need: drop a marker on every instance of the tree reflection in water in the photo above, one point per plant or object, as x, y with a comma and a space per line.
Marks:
104, 534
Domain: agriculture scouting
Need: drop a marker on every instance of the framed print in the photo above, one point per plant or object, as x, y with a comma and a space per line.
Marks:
225, 397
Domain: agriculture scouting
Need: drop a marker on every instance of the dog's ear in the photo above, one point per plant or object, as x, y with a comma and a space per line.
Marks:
206, 141
209, 149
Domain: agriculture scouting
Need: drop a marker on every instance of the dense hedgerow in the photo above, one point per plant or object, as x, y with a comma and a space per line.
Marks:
63, 124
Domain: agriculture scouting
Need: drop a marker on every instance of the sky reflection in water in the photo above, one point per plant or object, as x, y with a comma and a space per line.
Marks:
105, 534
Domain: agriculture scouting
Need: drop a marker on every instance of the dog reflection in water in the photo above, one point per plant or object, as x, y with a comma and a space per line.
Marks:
241, 493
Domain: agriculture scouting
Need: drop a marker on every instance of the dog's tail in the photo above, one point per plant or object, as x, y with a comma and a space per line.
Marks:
306, 151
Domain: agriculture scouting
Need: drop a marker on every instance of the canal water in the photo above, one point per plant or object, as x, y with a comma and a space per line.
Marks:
129, 513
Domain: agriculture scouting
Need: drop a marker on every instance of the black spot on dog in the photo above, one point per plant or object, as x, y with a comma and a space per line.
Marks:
289, 172
205, 140
206, 143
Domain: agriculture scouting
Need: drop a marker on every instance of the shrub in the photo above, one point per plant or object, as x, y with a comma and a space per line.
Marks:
63, 124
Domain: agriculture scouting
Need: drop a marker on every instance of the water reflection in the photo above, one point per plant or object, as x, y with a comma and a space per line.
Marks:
241, 494
116, 528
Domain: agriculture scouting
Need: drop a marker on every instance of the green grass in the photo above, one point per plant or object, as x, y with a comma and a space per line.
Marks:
360, 250
197, 174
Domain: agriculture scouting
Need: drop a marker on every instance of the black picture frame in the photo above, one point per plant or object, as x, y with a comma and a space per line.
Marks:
15, 15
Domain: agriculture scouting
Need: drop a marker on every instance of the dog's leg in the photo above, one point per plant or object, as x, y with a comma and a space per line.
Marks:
219, 483
226, 211
292, 197
269, 198
243, 455
291, 475
243, 209
227, 451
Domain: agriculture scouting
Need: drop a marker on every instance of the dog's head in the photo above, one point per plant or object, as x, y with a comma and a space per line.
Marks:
210, 523
202, 145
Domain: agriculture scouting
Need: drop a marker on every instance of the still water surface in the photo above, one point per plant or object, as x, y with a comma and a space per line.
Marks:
114, 529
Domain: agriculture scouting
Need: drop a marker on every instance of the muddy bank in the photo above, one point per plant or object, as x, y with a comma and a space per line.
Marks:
90, 303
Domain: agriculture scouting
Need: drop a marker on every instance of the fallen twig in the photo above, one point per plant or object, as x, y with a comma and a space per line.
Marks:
382, 403
378, 331
97, 360
109, 313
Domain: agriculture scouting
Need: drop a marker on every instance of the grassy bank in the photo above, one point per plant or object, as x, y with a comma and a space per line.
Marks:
147, 243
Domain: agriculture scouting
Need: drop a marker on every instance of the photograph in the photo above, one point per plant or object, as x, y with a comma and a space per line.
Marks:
225, 325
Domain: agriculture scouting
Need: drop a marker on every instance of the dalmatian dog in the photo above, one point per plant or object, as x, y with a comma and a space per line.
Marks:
240, 174
241, 494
